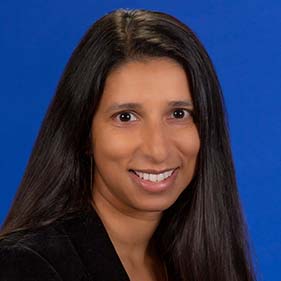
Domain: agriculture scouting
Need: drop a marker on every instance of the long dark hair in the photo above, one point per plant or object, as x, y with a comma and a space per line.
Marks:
203, 235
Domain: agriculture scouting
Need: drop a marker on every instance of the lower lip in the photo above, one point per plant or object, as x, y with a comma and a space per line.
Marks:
155, 186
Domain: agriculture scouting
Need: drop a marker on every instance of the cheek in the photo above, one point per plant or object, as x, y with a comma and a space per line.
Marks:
188, 144
112, 146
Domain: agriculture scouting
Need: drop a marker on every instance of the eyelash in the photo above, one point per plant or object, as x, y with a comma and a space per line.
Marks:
188, 112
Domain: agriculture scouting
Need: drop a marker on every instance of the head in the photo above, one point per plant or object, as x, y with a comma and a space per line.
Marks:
119, 42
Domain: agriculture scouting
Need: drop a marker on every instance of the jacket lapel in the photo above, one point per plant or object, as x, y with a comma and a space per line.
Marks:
93, 245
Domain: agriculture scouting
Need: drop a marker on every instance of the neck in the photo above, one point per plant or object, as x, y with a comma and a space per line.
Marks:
130, 231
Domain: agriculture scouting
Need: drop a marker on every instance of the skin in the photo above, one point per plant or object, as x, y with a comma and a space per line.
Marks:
153, 137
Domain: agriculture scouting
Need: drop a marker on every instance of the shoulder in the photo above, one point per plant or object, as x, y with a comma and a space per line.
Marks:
43, 254
19, 262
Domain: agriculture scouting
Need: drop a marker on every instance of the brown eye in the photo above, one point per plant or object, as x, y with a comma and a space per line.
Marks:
126, 117
181, 113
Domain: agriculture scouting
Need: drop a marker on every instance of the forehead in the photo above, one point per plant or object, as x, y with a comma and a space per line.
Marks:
147, 80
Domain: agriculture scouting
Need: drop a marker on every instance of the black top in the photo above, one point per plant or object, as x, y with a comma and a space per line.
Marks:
72, 249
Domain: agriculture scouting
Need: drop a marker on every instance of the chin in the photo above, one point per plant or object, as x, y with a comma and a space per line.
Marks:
156, 205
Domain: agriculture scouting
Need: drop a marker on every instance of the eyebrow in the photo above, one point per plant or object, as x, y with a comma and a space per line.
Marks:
180, 103
123, 106
135, 106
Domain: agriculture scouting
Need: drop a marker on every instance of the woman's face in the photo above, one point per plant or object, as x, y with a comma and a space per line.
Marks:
144, 140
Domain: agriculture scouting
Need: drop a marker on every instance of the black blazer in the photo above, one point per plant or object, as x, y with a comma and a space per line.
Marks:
74, 249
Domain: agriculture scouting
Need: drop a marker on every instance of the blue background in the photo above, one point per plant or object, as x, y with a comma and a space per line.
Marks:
242, 37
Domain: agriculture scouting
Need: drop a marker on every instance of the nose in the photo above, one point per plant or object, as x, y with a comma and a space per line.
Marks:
155, 143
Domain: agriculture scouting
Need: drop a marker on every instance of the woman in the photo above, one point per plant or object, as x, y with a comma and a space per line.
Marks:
131, 177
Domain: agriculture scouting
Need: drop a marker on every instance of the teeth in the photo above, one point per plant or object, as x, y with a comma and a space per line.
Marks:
161, 177
154, 177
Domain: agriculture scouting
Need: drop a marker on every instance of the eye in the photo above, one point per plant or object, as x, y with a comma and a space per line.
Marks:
126, 117
181, 113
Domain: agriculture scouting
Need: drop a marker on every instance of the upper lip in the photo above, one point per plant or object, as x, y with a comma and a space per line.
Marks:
152, 171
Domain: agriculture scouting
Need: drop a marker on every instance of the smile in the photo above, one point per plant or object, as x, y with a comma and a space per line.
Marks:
153, 177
